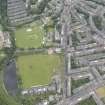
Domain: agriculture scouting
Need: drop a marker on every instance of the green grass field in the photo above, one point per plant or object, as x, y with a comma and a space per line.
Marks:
1, 28
29, 36
2, 55
79, 82
89, 101
37, 69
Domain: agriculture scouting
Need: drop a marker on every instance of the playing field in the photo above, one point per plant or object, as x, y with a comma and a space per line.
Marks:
29, 36
101, 91
37, 69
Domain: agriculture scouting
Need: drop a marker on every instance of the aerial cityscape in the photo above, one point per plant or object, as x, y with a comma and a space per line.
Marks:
52, 52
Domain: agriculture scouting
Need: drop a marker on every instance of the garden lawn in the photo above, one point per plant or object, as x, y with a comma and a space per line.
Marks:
89, 101
79, 82
101, 91
36, 70
2, 55
29, 36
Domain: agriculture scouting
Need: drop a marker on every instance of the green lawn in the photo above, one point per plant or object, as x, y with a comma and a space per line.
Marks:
1, 28
37, 69
78, 83
2, 55
29, 36
103, 99
89, 101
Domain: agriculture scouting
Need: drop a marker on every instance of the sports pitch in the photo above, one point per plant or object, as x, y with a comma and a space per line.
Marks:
29, 36
101, 91
37, 69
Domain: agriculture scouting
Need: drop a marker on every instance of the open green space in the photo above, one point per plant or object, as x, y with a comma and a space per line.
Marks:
103, 99
1, 28
78, 83
100, 91
29, 36
38, 69
49, 27
98, 22
89, 101
2, 55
